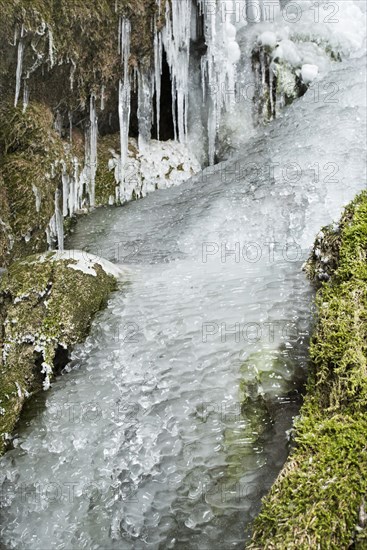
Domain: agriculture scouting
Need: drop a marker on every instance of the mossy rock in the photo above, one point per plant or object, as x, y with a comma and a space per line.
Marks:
47, 304
318, 500
84, 44
30, 173
328, 254
105, 176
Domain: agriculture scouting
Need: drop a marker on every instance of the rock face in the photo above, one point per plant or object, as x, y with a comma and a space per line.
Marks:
318, 500
31, 156
47, 304
69, 49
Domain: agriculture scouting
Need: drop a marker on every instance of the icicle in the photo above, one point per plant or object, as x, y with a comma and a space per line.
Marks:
102, 97
58, 123
51, 48
70, 117
219, 66
93, 136
158, 55
124, 97
72, 72
144, 109
73, 199
65, 190
19, 66
176, 41
25, 95
38, 196
15, 37
119, 36
55, 229
124, 118
59, 222
76, 184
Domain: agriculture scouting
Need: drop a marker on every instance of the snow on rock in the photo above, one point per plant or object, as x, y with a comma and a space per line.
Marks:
309, 73
268, 39
333, 28
299, 44
162, 164
83, 261
288, 52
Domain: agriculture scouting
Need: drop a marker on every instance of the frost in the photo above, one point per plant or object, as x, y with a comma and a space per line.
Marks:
47, 371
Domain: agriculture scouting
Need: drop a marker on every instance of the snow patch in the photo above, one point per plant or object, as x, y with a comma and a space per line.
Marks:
85, 262
309, 73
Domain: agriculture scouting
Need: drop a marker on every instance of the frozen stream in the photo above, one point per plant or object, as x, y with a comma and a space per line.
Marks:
144, 443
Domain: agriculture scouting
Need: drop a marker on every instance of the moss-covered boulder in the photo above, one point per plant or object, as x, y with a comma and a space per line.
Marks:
47, 304
318, 500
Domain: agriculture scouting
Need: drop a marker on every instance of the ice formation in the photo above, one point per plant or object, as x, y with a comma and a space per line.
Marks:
296, 47
124, 96
130, 413
296, 44
91, 151
161, 165
176, 40
55, 229
158, 55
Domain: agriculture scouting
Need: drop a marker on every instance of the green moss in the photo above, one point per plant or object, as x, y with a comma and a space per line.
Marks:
45, 305
85, 41
105, 178
318, 498
315, 500
30, 169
